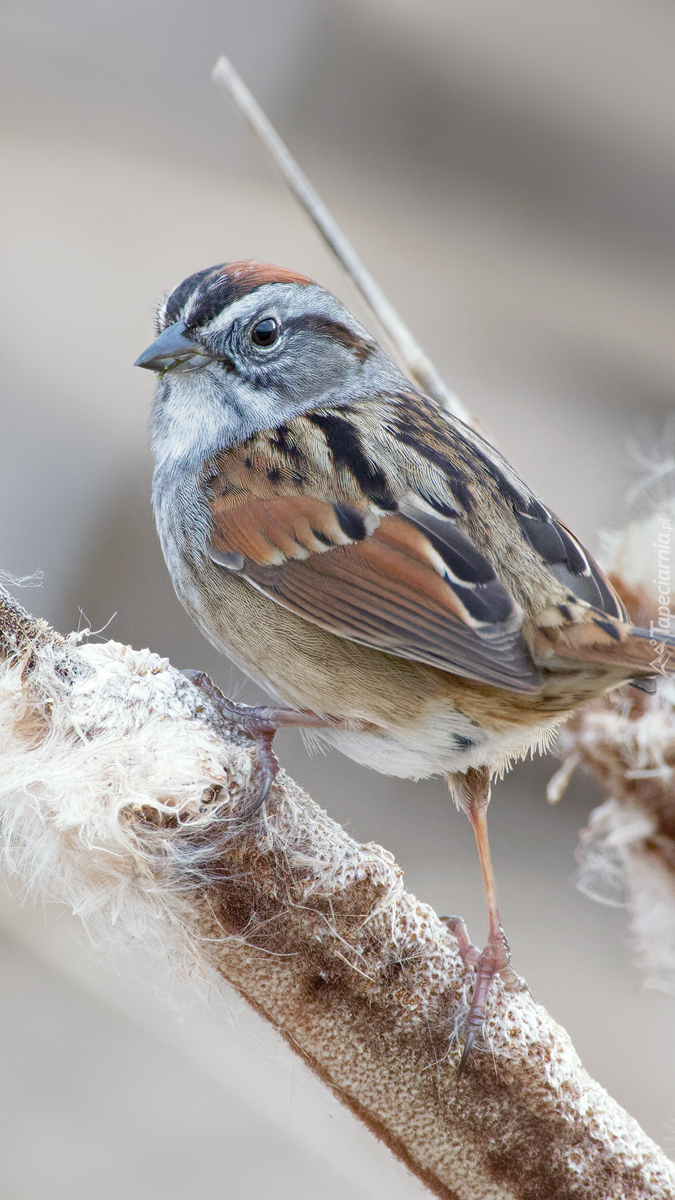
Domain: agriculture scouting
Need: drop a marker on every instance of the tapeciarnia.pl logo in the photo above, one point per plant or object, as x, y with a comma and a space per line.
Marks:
662, 547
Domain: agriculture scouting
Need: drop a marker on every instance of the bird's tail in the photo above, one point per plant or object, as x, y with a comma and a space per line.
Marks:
642, 653
653, 647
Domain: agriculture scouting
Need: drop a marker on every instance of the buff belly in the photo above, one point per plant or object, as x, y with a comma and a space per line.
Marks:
422, 721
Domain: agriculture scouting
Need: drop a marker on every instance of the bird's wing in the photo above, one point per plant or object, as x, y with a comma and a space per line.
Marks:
463, 469
380, 579
569, 561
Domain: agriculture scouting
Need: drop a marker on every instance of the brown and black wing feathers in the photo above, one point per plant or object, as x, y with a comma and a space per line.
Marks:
438, 558
384, 596
400, 582
569, 561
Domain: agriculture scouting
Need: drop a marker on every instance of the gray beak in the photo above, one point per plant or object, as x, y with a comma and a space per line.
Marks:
171, 350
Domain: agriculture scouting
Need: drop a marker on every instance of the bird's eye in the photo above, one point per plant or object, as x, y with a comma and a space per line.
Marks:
265, 333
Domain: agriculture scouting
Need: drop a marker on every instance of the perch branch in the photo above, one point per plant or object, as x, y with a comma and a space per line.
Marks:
118, 789
416, 361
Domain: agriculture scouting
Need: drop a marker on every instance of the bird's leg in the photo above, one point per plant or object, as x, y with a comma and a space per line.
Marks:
260, 722
495, 959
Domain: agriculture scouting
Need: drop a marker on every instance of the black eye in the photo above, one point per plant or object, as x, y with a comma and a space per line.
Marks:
265, 333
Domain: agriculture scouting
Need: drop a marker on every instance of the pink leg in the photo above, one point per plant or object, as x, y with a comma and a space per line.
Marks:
495, 959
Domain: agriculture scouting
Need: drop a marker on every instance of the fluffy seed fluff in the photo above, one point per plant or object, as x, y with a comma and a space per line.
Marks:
627, 739
100, 748
118, 798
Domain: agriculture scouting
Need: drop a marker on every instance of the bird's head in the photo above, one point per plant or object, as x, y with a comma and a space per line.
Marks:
245, 346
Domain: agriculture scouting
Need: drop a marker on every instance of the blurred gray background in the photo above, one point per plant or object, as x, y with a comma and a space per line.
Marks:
508, 173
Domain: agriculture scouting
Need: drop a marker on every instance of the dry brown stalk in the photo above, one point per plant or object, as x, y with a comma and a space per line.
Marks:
118, 786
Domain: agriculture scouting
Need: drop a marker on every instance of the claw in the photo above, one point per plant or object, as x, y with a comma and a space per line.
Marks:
269, 767
469, 952
475, 1018
466, 1053
260, 722
226, 709
492, 961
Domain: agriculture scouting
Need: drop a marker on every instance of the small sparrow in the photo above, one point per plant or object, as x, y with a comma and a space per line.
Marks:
365, 557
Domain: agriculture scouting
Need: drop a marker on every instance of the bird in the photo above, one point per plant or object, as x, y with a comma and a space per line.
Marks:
368, 559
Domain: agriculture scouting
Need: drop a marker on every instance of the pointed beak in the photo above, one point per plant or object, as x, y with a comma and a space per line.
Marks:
172, 350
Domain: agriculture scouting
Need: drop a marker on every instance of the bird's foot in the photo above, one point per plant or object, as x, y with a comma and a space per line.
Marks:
494, 960
260, 722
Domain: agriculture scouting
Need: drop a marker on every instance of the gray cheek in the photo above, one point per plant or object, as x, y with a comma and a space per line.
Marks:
325, 372
303, 377
310, 370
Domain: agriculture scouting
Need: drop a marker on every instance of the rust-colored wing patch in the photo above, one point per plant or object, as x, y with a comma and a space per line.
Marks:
272, 531
384, 581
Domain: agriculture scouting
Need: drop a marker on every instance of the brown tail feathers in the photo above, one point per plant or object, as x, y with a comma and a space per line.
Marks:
644, 653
